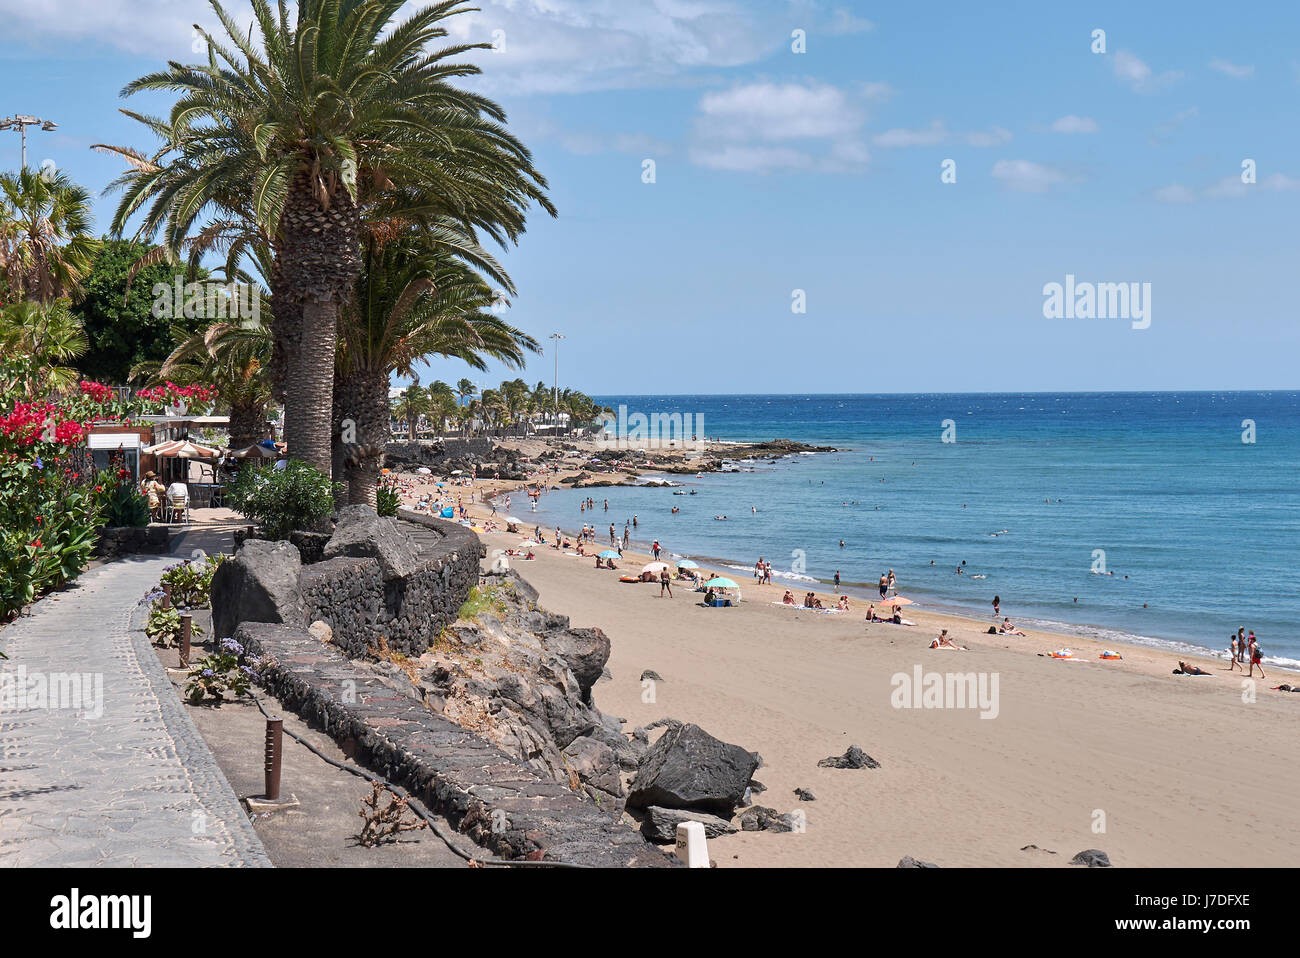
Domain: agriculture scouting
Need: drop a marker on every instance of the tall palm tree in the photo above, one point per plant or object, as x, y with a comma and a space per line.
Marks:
46, 244
49, 335
466, 390
413, 300
316, 119
410, 406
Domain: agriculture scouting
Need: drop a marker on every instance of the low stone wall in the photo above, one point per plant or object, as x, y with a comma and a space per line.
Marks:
115, 541
498, 802
409, 612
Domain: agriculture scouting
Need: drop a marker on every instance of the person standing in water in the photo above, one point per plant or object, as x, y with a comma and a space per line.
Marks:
996, 603
837, 580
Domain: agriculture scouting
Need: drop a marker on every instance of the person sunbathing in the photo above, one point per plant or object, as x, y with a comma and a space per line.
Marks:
843, 604
943, 641
1186, 669
1008, 629
788, 598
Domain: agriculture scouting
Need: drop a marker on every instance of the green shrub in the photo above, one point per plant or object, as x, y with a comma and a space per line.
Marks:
229, 669
164, 625
386, 498
123, 504
191, 581
297, 497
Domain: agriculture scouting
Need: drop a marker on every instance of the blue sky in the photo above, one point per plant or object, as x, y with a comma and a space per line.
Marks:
819, 171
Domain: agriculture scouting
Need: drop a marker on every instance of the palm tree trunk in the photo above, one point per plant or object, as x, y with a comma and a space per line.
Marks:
246, 424
310, 393
366, 395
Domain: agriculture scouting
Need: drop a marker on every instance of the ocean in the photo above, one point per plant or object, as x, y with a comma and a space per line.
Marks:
1034, 496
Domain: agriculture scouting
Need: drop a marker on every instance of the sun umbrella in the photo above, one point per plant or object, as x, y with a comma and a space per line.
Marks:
720, 582
688, 564
424, 471
253, 452
896, 600
511, 520
182, 449
654, 567
608, 554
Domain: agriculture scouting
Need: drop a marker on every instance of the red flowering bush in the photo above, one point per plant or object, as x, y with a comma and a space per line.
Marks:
50, 509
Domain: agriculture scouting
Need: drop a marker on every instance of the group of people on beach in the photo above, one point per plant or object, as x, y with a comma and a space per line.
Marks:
1243, 647
763, 572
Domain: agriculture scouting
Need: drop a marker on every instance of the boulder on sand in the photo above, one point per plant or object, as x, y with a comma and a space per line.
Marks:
689, 768
1092, 857
260, 584
660, 825
853, 758
763, 819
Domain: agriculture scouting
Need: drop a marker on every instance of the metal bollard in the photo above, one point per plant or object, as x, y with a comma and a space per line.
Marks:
274, 742
187, 633
167, 595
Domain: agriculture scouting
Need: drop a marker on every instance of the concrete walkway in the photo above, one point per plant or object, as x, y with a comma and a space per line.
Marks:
118, 778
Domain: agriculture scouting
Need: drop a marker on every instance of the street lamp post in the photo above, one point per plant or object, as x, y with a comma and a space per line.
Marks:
555, 383
21, 123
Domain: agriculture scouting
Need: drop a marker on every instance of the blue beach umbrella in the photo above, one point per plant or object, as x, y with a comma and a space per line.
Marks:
688, 564
608, 554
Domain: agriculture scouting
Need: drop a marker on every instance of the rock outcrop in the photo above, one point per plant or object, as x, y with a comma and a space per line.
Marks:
260, 584
689, 768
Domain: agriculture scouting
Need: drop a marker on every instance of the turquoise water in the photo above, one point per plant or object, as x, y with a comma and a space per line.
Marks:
1198, 527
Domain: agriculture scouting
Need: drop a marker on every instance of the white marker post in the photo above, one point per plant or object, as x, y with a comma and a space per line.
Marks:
692, 846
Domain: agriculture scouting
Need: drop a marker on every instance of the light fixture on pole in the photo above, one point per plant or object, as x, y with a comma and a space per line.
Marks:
555, 383
21, 123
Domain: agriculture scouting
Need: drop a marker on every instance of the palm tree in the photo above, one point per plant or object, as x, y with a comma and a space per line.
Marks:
465, 390
233, 358
413, 300
316, 120
48, 335
46, 244
410, 406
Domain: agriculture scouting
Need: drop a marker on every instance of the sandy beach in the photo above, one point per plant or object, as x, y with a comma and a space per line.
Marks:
1154, 768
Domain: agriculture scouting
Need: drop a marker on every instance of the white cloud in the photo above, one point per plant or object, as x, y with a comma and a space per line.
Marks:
994, 136
1075, 124
162, 28
748, 158
1137, 74
1227, 188
877, 92
1175, 193
843, 22
1026, 176
937, 133
933, 136
1280, 181
815, 124
1231, 69
779, 111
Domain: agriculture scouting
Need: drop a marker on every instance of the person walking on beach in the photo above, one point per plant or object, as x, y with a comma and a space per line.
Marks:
1256, 658
758, 570
767, 574
837, 580
997, 601
665, 584
1241, 644
655, 548
1232, 652
892, 580
884, 585
612, 537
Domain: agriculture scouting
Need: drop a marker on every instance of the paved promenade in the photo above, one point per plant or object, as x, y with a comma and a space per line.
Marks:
106, 769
